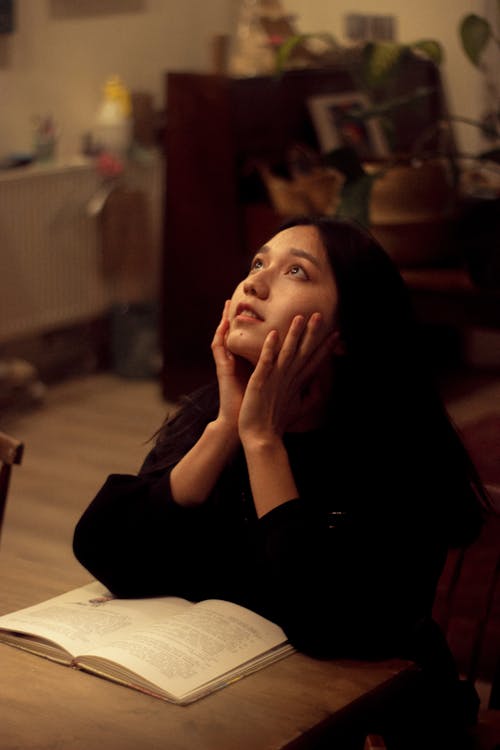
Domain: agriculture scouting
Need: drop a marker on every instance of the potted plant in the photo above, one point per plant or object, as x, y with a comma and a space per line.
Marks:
477, 36
407, 197
429, 171
480, 221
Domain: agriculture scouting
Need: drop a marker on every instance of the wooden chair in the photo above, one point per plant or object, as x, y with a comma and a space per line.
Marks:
467, 608
11, 452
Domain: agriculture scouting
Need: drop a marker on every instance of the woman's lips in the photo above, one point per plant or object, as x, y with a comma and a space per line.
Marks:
247, 312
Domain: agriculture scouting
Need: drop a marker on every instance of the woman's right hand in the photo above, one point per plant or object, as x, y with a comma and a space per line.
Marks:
194, 477
233, 374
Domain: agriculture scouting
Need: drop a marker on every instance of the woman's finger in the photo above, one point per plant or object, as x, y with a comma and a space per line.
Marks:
314, 334
223, 321
267, 359
301, 341
324, 349
291, 342
219, 350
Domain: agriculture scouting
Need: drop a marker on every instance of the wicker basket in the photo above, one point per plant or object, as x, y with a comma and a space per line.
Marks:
317, 192
411, 213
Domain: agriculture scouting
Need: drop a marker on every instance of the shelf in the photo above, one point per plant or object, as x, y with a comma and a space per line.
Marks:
448, 296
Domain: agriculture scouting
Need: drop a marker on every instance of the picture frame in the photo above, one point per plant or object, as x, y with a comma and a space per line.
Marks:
333, 130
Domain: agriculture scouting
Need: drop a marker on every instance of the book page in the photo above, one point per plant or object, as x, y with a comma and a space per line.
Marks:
88, 616
191, 648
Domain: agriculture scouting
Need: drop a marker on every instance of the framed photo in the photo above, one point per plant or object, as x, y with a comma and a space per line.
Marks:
336, 125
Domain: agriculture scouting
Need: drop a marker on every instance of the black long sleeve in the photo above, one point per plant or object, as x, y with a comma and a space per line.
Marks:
352, 587
136, 540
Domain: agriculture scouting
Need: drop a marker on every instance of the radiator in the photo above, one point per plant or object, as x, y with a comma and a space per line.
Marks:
50, 252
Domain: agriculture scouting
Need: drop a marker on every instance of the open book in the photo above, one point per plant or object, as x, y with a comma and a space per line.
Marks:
167, 647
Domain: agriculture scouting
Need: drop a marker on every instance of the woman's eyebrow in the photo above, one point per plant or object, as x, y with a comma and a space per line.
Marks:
304, 254
296, 252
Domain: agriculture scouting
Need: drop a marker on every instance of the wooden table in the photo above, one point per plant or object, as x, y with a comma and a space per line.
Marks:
82, 434
296, 703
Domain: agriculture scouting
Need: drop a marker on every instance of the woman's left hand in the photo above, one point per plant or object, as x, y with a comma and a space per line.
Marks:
287, 387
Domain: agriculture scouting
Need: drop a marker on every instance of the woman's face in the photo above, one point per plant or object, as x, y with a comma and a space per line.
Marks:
289, 276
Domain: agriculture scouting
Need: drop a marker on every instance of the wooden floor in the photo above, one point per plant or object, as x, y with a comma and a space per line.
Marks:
86, 429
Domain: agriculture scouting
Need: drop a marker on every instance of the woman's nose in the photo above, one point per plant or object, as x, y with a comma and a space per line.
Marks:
256, 286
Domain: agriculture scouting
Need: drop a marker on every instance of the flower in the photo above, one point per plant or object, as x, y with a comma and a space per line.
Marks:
109, 165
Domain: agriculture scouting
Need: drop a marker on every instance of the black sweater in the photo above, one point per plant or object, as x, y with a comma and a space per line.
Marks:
348, 568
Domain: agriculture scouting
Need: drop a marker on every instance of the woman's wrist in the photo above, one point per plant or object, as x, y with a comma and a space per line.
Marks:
194, 477
261, 442
224, 430
271, 478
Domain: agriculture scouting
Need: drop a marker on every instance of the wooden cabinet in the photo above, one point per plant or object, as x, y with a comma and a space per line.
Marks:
216, 208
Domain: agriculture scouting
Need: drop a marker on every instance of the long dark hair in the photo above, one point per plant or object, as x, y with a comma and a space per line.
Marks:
375, 315
386, 416
389, 401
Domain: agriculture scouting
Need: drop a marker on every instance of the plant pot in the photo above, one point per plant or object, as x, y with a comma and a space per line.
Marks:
417, 243
411, 212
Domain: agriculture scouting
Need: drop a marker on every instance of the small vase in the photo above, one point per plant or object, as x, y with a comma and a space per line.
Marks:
251, 50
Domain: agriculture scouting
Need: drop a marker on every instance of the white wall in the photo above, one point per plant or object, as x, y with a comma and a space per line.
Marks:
63, 50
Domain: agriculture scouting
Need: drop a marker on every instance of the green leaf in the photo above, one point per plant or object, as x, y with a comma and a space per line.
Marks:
380, 59
431, 49
355, 199
387, 107
285, 50
475, 33
346, 160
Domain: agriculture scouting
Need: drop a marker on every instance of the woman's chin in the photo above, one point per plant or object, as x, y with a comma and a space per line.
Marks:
240, 346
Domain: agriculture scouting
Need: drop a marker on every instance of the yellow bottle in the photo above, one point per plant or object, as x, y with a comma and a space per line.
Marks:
113, 127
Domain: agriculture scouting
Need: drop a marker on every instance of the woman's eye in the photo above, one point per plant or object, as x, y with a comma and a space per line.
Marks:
298, 271
257, 264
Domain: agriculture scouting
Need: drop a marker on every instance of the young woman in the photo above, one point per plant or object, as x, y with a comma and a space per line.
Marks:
318, 480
